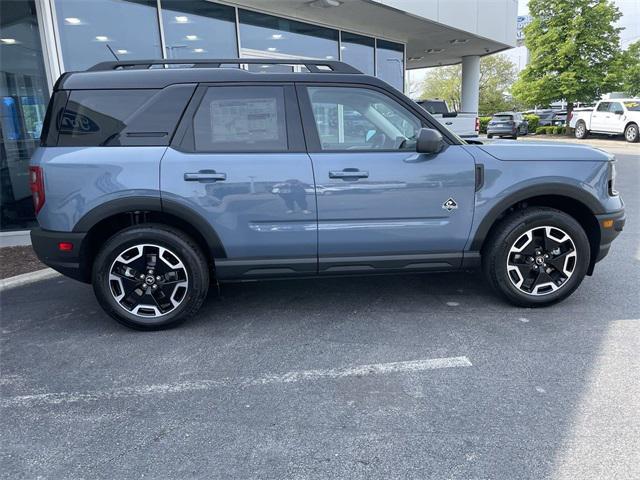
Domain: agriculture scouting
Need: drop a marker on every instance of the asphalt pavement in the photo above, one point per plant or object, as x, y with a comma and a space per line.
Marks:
412, 377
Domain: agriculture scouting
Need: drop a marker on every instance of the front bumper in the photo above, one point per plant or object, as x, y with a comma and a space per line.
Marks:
611, 224
70, 263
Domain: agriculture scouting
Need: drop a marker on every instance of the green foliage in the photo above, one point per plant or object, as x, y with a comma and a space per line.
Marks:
574, 52
533, 121
550, 130
630, 71
541, 130
483, 124
497, 73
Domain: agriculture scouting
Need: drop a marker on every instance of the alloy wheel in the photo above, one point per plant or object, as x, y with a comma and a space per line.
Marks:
148, 280
631, 133
541, 260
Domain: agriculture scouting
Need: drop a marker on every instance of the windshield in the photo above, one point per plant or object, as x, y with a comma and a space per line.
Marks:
633, 106
503, 118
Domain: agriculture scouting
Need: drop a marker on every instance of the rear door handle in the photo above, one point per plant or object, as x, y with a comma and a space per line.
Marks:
205, 176
348, 173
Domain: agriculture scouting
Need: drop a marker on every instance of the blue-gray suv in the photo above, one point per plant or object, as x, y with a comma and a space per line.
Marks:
156, 177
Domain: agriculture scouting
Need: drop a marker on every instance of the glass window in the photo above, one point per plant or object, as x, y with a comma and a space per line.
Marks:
358, 51
95, 117
241, 119
266, 36
23, 101
390, 63
195, 28
603, 107
615, 107
101, 30
350, 118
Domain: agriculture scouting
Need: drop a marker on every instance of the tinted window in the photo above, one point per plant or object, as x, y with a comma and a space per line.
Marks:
603, 107
361, 119
503, 118
434, 107
88, 29
358, 51
194, 29
96, 117
241, 119
615, 107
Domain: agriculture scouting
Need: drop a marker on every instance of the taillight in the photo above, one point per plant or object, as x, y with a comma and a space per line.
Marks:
477, 124
36, 184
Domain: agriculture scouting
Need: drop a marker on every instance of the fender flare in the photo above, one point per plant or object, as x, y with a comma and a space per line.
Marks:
555, 189
154, 204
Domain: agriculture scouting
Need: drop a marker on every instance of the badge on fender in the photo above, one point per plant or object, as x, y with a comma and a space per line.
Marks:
450, 204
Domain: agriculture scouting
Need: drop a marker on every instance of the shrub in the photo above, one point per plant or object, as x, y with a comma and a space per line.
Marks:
533, 122
562, 130
483, 124
541, 130
550, 130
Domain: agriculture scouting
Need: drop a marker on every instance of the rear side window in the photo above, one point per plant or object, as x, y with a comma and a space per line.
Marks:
241, 119
603, 107
122, 117
503, 118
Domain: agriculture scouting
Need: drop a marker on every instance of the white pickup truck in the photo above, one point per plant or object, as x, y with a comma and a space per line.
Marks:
613, 117
465, 125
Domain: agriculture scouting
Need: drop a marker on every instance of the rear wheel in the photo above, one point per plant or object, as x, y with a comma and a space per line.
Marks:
631, 133
536, 257
581, 130
489, 135
150, 277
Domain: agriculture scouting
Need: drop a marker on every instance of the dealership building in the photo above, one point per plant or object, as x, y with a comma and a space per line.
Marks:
41, 39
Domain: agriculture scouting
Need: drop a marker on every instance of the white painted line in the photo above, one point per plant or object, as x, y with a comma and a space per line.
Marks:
26, 278
241, 382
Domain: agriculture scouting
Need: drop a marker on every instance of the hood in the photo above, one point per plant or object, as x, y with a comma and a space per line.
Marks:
545, 152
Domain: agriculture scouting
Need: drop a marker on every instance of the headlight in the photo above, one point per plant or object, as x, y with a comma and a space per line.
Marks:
612, 179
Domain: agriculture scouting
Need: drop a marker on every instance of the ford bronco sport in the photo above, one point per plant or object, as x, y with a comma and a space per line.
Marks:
156, 177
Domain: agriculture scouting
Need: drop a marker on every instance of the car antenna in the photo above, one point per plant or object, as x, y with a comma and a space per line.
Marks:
112, 52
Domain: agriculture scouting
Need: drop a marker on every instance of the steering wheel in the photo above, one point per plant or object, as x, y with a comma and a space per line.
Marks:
378, 140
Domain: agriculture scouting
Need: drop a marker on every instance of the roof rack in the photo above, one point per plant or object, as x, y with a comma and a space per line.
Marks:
314, 66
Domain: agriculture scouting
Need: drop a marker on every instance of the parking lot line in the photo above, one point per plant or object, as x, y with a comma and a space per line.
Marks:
411, 366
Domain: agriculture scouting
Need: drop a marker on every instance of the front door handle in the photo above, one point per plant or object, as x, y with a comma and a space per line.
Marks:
348, 173
205, 176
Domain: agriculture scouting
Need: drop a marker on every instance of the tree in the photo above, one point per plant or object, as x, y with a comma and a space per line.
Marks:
497, 73
630, 73
574, 49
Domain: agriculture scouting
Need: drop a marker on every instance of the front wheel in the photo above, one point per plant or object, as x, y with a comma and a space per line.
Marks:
536, 257
631, 133
150, 277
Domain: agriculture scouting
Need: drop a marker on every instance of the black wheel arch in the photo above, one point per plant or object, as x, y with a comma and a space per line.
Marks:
103, 221
571, 200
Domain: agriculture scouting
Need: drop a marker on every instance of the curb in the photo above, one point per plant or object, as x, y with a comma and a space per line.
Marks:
27, 278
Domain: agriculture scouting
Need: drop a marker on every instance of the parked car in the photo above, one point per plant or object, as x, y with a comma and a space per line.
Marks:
465, 125
613, 117
545, 117
150, 183
507, 124
559, 119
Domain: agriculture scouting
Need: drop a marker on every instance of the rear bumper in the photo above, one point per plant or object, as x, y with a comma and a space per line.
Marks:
609, 233
501, 130
45, 244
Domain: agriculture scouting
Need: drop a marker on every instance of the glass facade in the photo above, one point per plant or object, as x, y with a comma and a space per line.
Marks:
390, 63
193, 28
359, 51
90, 31
23, 101
101, 30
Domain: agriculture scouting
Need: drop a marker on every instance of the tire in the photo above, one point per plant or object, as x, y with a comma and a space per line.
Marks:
506, 258
631, 133
175, 271
489, 135
581, 131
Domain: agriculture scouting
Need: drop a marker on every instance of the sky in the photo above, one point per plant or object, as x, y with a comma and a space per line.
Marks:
630, 21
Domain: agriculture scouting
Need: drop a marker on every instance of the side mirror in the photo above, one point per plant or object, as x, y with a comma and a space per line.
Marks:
619, 112
429, 141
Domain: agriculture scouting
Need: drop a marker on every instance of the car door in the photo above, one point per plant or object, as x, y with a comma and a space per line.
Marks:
616, 121
238, 160
600, 117
381, 205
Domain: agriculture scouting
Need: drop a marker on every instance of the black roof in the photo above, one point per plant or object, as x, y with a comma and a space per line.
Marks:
143, 74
